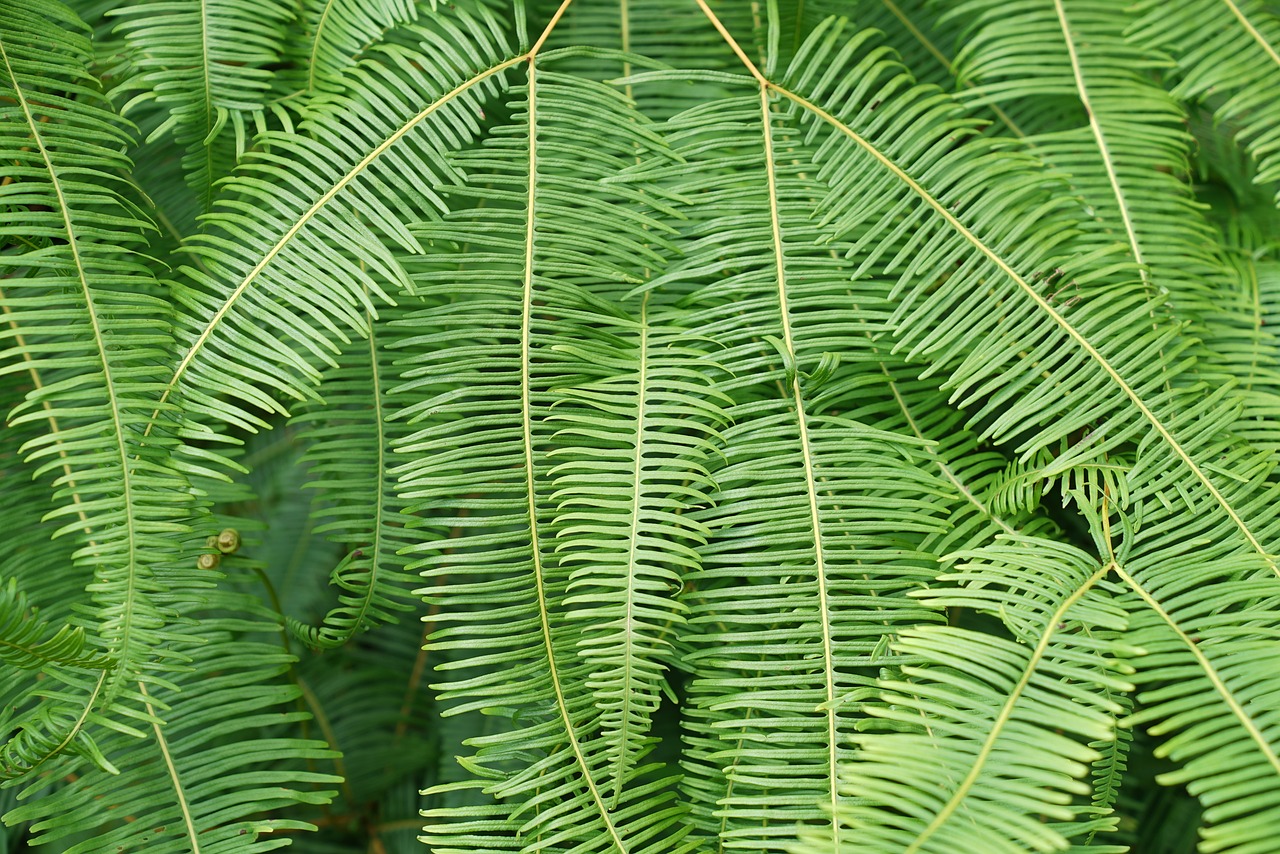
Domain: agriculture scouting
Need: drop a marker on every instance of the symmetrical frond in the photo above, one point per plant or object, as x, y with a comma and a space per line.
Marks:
208, 63
208, 764
349, 457
1128, 158
308, 233
641, 485
801, 492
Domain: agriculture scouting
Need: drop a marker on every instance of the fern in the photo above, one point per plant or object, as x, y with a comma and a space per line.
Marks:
639, 426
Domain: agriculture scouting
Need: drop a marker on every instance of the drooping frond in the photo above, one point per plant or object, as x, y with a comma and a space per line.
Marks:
943, 765
338, 30
975, 230
307, 235
640, 484
1228, 57
208, 63
521, 267
28, 642
349, 459
1208, 687
84, 327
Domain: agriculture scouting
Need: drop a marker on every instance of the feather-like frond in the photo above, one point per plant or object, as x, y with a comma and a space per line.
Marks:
1228, 57
520, 267
349, 458
86, 329
973, 715
208, 63
310, 231
1129, 155
212, 759
801, 494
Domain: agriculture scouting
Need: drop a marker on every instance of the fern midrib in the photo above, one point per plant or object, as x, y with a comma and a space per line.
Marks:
526, 418
806, 450
163, 743
628, 627
941, 463
1253, 31
126, 482
1211, 673
1006, 711
326, 729
380, 487
315, 45
1108, 162
37, 384
79, 724
918, 34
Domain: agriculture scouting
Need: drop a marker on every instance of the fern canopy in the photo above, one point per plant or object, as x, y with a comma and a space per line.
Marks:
639, 426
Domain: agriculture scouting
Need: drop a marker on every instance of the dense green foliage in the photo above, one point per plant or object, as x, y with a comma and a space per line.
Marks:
640, 426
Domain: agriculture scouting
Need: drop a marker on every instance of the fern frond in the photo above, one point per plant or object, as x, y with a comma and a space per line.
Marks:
622, 591
520, 267
1207, 686
1129, 157
944, 762
208, 63
800, 486
309, 233
85, 326
28, 642
210, 762
348, 456
1228, 56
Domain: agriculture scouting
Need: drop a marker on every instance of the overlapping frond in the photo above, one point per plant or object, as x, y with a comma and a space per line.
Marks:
349, 441
212, 760
977, 475
306, 238
1129, 155
86, 331
1228, 57
977, 234
812, 509
788, 445
1208, 688
519, 270
982, 738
